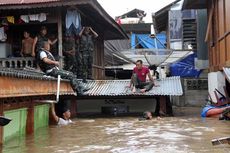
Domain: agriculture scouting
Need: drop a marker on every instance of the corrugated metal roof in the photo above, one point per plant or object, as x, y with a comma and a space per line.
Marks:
9, 2
26, 73
169, 86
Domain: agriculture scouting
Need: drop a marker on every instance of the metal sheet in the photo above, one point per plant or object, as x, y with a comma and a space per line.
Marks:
4, 2
170, 86
19, 82
227, 73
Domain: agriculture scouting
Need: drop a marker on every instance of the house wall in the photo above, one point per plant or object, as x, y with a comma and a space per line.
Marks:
86, 106
13, 44
98, 60
218, 34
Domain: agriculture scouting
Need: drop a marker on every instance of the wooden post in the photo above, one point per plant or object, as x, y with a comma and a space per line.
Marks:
59, 23
30, 118
1, 127
73, 107
163, 104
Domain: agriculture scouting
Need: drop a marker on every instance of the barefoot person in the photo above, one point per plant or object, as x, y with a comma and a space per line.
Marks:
27, 45
139, 78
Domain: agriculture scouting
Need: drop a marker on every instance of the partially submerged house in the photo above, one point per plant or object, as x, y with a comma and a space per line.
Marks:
121, 55
23, 89
217, 38
185, 34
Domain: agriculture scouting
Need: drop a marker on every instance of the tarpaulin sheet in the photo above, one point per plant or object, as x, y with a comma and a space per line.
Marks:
185, 67
147, 42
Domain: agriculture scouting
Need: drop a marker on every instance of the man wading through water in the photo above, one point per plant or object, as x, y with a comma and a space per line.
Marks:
138, 79
48, 65
65, 119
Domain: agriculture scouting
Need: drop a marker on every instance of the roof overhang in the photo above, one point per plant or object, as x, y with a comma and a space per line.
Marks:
91, 9
194, 4
161, 17
20, 83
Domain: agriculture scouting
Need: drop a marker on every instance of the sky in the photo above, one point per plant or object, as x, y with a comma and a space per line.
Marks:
118, 7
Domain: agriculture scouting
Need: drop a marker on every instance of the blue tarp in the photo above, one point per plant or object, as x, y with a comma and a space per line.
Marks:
147, 42
185, 67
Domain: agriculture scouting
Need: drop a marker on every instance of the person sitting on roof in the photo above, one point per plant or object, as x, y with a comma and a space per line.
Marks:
65, 119
48, 65
139, 78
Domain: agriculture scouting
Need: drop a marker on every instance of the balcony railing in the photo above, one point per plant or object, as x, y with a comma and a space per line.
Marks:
17, 62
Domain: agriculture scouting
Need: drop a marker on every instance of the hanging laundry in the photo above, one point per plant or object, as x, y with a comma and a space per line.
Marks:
73, 22
42, 17
34, 17
10, 19
3, 36
25, 18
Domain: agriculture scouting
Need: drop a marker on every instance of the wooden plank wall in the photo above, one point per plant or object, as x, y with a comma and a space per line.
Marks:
98, 60
219, 34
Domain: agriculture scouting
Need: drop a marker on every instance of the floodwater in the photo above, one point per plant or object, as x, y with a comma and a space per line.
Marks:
186, 132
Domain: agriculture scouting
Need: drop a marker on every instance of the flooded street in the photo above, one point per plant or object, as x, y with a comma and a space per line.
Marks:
185, 132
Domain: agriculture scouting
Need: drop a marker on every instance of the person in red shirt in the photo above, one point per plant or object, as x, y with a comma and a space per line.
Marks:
139, 78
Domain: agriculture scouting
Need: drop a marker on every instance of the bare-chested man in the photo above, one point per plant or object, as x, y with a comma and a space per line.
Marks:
27, 45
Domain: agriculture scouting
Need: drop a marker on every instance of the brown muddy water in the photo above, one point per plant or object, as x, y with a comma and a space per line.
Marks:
184, 133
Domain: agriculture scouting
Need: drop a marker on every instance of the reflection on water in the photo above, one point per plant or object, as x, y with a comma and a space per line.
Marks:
186, 133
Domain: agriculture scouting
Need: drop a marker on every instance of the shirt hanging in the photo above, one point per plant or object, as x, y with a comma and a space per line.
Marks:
10, 19
3, 36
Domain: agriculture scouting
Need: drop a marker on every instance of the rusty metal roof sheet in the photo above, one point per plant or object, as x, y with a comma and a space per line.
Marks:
169, 86
26, 82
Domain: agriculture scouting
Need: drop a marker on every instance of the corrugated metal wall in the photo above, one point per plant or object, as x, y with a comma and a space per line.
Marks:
219, 34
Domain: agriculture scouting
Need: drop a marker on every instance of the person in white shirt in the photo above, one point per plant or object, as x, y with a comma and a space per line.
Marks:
65, 120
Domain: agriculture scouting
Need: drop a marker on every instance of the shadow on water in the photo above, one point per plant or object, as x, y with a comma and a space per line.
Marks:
185, 132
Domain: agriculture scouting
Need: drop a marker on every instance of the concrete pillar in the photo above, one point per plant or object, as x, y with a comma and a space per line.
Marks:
216, 80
